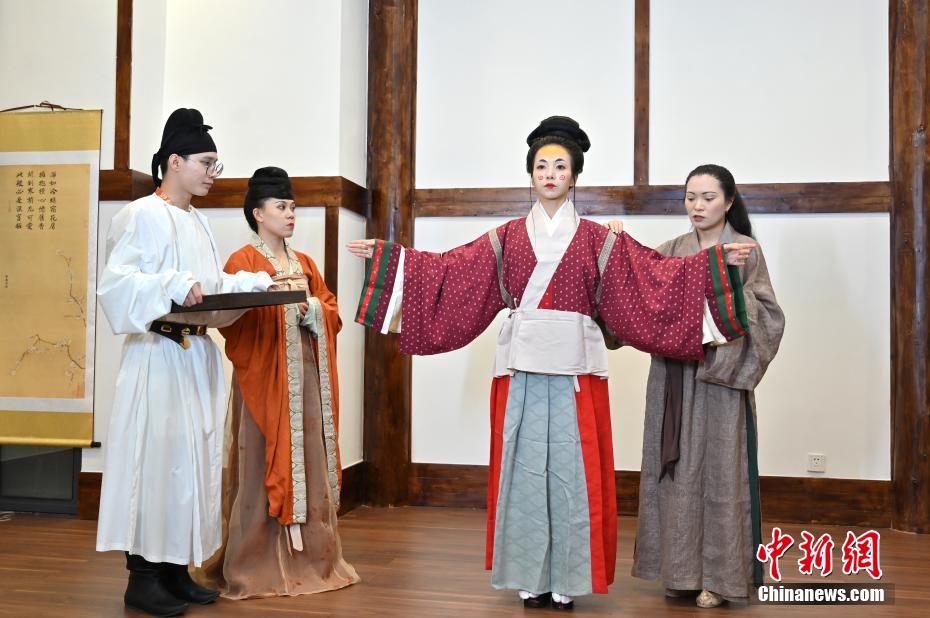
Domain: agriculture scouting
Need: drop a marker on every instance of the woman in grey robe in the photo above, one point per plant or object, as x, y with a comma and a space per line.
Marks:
699, 518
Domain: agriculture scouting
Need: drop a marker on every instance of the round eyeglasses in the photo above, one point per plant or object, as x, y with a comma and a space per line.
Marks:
213, 168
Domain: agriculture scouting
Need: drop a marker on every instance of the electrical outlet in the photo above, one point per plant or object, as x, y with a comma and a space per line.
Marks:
816, 462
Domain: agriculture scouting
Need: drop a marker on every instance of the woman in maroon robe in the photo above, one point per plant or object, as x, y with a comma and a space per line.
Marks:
552, 530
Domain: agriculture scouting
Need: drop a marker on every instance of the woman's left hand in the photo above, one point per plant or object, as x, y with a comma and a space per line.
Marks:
615, 226
362, 248
302, 309
738, 252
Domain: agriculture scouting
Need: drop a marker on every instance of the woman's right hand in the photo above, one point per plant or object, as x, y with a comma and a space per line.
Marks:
361, 248
737, 253
615, 226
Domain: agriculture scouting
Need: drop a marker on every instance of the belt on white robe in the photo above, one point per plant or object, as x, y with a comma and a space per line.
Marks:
178, 332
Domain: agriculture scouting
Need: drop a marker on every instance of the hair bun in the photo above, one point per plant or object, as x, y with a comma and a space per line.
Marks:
269, 176
562, 126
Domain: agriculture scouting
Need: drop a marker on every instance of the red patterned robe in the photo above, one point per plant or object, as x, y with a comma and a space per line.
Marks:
550, 414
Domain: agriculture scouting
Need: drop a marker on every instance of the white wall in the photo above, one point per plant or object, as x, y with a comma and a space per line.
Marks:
62, 52
147, 117
231, 232
265, 75
283, 82
488, 71
351, 344
826, 392
353, 92
787, 91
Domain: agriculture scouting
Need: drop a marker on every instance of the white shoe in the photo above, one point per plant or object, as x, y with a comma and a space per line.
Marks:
708, 599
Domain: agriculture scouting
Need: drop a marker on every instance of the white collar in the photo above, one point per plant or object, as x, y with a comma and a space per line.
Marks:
551, 224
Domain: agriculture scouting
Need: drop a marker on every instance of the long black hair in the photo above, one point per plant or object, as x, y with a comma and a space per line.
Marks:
737, 215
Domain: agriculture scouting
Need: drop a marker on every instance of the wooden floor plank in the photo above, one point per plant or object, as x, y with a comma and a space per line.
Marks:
414, 562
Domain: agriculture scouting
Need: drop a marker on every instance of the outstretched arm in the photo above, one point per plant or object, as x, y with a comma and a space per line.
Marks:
437, 301
657, 303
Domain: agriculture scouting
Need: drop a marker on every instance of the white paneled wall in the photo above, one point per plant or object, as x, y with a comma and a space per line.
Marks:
488, 71
787, 91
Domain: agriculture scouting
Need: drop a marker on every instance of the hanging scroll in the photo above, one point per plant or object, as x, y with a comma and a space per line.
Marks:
49, 175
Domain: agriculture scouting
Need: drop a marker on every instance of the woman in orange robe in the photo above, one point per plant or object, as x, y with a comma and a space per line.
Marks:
281, 469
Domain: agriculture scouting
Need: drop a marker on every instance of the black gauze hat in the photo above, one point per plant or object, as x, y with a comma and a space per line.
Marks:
269, 182
184, 134
561, 126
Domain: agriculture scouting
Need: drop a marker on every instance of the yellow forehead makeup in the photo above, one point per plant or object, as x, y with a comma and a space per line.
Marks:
553, 152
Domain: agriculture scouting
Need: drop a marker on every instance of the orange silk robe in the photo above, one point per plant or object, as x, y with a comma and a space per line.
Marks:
255, 344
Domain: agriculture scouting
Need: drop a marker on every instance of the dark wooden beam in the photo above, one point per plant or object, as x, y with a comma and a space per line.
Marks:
627, 491
89, 484
123, 84
331, 249
852, 502
818, 197
449, 485
392, 62
786, 499
354, 197
308, 191
123, 185
354, 487
641, 94
336, 191
910, 268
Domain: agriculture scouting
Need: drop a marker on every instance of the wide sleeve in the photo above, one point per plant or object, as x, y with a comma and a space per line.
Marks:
741, 363
133, 291
245, 281
657, 303
445, 299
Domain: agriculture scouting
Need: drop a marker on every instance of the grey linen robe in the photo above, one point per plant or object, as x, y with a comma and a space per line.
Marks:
701, 529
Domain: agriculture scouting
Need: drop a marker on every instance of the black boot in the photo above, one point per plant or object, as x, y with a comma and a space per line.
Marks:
179, 583
146, 592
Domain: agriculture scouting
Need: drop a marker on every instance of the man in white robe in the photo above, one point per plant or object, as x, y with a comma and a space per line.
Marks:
160, 501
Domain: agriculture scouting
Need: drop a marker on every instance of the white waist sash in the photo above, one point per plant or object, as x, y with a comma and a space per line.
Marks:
548, 341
